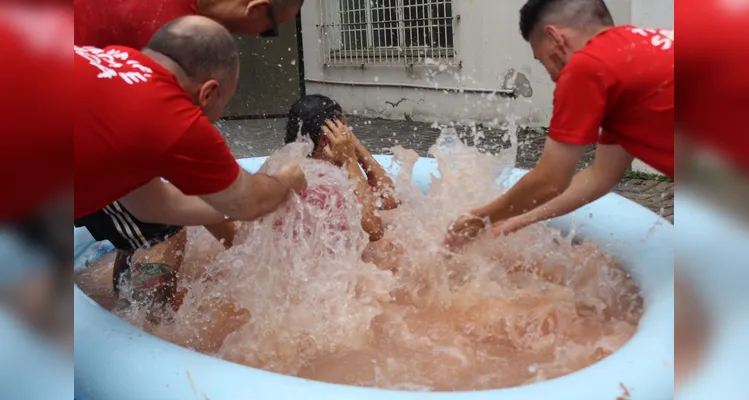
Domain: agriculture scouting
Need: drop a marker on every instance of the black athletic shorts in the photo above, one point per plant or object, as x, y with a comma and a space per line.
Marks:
119, 226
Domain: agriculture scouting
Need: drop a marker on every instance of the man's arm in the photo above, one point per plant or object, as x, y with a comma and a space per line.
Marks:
252, 196
162, 203
550, 178
589, 185
201, 164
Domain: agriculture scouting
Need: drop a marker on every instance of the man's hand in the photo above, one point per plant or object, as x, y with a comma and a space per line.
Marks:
341, 147
293, 176
464, 229
511, 225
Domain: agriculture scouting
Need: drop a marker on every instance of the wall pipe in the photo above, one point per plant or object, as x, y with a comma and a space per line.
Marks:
502, 92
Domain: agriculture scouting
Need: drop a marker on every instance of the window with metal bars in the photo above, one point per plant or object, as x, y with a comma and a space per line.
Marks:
395, 32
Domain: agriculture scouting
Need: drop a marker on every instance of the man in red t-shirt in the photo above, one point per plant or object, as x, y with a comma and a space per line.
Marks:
614, 87
131, 23
143, 116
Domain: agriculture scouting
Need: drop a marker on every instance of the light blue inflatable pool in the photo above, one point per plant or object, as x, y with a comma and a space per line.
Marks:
116, 361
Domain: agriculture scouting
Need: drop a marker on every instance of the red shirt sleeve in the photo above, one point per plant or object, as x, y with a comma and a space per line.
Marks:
581, 100
608, 137
200, 162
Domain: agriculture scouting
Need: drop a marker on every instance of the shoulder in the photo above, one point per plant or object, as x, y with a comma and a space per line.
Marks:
133, 94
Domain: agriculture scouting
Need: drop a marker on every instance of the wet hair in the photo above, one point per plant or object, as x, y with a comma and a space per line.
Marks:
579, 14
203, 48
307, 116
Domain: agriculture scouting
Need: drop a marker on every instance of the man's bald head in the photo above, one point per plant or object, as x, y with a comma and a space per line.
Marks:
203, 48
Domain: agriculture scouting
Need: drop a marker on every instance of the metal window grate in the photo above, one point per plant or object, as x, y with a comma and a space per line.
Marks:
386, 32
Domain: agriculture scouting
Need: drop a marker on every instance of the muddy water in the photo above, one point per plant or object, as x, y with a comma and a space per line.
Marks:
294, 295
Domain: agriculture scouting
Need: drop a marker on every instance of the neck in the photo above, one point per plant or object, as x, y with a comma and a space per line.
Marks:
171, 66
581, 39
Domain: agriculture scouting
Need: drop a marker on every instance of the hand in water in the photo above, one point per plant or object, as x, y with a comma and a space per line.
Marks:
341, 145
510, 225
464, 229
294, 177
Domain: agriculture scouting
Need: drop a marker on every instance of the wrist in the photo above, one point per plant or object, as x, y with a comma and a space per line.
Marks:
481, 212
283, 181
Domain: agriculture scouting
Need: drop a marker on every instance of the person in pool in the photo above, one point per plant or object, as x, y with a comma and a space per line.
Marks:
322, 120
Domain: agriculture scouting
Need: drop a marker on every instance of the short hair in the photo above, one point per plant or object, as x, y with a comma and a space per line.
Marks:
202, 47
307, 116
579, 14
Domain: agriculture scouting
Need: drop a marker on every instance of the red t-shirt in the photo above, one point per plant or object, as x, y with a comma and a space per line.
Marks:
36, 142
620, 89
128, 23
713, 100
134, 123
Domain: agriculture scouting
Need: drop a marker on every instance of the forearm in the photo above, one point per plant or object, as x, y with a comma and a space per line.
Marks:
251, 196
587, 186
533, 190
371, 223
377, 178
162, 203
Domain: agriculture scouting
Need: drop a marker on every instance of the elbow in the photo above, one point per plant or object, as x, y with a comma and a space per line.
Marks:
389, 203
372, 224
376, 234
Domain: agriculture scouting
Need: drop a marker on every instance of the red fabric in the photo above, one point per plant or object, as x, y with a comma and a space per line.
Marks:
129, 23
713, 81
328, 198
37, 135
620, 89
134, 123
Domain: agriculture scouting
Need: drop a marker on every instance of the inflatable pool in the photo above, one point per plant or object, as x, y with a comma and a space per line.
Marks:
116, 361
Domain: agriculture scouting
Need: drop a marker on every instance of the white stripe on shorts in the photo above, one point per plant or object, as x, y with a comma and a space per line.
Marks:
118, 224
132, 224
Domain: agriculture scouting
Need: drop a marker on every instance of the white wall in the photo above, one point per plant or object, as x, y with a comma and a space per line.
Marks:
653, 13
487, 42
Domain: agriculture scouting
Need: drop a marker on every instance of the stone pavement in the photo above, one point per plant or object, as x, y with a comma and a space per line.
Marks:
253, 138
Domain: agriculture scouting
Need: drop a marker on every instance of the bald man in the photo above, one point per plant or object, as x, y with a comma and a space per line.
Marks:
131, 23
146, 115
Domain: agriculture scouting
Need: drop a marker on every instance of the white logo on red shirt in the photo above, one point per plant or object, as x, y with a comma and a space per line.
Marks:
661, 38
113, 63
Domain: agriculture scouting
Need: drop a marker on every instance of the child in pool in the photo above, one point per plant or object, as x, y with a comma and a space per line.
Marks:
321, 119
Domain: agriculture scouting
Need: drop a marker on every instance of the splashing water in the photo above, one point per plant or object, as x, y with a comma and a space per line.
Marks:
294, 295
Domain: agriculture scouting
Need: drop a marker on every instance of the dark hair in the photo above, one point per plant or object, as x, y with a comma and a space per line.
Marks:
203, 48
307, 116
581, 14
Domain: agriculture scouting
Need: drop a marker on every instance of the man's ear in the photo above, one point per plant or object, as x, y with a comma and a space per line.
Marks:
253, 5
555, 35
209, 91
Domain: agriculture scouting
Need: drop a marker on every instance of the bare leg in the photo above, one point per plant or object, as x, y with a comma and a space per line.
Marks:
154, 272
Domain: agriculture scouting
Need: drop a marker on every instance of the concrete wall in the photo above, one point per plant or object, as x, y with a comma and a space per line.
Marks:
653, 13
488, 44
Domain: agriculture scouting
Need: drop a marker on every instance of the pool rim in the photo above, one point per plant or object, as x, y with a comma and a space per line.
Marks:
111, 341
